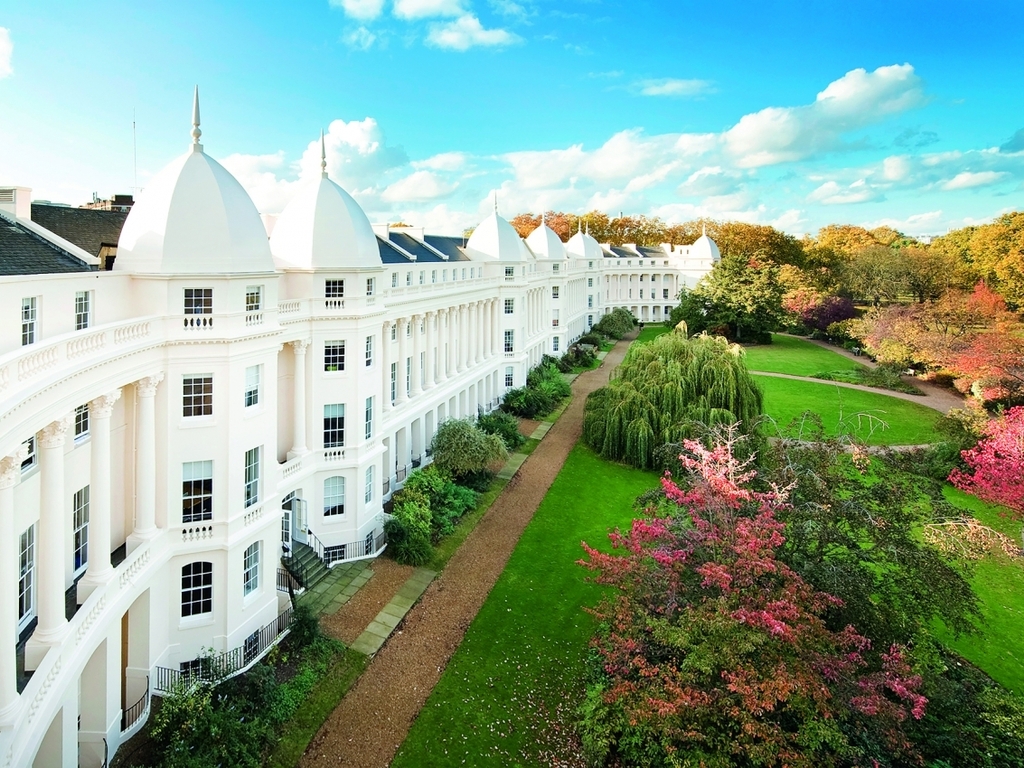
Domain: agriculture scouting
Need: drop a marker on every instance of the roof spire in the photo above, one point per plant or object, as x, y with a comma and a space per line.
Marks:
588, 228
703, 229
495, 193
323, 155
543, 218
196, 133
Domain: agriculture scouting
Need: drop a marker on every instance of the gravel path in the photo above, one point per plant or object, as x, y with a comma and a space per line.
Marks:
349, 622
371, 722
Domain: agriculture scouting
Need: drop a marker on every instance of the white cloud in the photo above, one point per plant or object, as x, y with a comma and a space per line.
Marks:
423, 9
6, 53
854, 101
466, 32
360, 38
831, 193
446, 161
668, 86
968, 180
360, 9
259, 175
511, 9
928, 223
417, 187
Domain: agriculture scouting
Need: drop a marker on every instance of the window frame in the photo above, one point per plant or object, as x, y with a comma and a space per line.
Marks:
334, 496
510, 341
26, 576
334, 356
197, 592
253, 298
197, 301
369, 351
368, 419
510, 306
83, 310
29, 320
252, 389
80, 530
81, 422
251, 569
368, 482
334, 425
196, 404
251, 487
196, 491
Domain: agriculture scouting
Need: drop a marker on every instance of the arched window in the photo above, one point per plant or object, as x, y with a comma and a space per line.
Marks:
196, 589
334, 496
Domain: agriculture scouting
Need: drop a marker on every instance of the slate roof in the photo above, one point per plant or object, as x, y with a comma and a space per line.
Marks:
414, 246
625, 253
651, 252
389, 254
608, 254
88, 228
23, 252
450, 246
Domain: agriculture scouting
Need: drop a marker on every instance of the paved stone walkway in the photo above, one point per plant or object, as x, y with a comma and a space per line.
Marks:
391, 615
336, 588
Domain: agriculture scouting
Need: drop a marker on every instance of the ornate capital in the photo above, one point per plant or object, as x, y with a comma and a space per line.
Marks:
103, 406
299, 346
52, 435
10, 467
387, 326
401, 323
147, 386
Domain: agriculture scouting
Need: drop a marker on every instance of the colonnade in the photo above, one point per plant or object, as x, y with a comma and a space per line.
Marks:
53, 528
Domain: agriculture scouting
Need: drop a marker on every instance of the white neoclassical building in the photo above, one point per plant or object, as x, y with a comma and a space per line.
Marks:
170, 427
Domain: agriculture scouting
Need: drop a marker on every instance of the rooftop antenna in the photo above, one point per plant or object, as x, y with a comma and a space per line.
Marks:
135, 157
323, 155
196, 133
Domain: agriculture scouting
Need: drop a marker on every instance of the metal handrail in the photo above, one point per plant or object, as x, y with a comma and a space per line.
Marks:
222, 666
131, 715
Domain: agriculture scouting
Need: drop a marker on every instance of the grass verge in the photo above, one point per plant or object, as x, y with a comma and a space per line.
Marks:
315, 709
509, 693
852, 411
651, 332
880, 378
796, 357
999, 583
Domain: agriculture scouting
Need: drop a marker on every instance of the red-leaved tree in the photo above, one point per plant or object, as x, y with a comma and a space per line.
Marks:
996, 463
714, 652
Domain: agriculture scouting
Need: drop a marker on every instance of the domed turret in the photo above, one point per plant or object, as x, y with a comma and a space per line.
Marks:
323, 228
583, 246
495, 239
545, 244
705, 248
193, 218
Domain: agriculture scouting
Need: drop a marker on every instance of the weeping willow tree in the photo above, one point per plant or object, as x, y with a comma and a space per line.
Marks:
663, 390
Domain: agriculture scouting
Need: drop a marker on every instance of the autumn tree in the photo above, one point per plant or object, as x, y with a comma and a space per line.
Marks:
996, 464
846, 239
713, 651
743, 298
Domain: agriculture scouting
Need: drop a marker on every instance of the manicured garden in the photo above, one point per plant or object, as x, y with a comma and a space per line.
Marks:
852, 411
787, 354
509, 694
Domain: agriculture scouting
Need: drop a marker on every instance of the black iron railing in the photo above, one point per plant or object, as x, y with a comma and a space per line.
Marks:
131, 715
286, 582
401, 473
221, 666
416, 462
387, 486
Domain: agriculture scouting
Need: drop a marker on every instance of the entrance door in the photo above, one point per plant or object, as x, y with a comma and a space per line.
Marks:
286, 530
299, 520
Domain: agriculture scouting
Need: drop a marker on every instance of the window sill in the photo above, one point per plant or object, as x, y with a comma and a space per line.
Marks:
194, 622
194, 422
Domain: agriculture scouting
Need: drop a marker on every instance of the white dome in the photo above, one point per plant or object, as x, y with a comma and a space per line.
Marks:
705, 248
545, 243
193, 218
323, 228
496, 239
583, 246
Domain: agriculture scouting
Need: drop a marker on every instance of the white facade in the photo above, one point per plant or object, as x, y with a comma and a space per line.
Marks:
240, 395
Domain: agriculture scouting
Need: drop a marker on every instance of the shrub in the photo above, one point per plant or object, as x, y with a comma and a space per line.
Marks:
460, 448
504, 425
616, 323
593, 339
545, 388
409, 528
304, 626
446, 500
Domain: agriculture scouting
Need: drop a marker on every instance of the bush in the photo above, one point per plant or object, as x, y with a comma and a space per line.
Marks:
593, 339
545, 388
304, 626
504, 425
616, 323
409, 528
461, 448
446, 500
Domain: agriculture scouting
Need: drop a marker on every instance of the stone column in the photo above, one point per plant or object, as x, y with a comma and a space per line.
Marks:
145, 467
100, 570
403, 356
385, 356
478, 332
299, 400
459, 337
52, 526
489, 329
417, 349
10, 473
431, 318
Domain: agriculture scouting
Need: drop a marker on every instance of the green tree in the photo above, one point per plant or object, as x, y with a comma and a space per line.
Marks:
461, 449
742, 299
663, 390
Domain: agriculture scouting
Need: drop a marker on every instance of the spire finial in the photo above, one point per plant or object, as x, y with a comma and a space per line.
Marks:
543, 218
323, 155
703, 229
495, 194
588, 228
579, 225
196, 133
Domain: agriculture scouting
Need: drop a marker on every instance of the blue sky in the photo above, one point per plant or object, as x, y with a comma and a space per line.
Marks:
796, 114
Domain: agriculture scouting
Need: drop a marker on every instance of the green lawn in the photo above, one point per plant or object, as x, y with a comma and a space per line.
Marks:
509, 693
999, 584
796, 357
651, 332
906, 423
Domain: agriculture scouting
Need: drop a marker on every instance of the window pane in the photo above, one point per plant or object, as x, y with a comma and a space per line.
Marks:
197, 396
